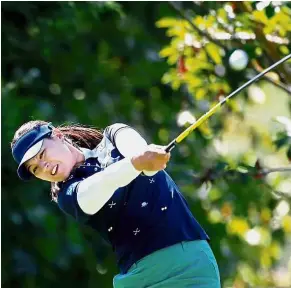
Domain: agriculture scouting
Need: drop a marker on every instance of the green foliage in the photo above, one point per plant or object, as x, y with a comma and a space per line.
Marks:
242, 197
97, 63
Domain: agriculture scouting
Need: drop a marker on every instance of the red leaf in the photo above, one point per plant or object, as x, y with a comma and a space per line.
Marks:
258, 176
219, 94
181, 65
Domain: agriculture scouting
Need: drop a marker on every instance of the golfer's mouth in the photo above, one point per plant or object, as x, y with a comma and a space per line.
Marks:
55, 170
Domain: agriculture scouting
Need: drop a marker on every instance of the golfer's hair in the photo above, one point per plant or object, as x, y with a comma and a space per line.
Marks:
77, 134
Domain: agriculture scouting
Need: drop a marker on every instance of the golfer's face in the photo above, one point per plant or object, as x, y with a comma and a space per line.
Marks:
53, 162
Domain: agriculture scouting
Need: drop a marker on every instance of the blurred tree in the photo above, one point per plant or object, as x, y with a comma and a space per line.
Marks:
215, 48
97, 63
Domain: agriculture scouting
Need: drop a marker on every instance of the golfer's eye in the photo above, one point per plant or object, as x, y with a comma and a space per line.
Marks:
41, 154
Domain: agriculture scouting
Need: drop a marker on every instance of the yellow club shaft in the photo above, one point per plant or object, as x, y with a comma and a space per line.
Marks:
203, 118
186, 132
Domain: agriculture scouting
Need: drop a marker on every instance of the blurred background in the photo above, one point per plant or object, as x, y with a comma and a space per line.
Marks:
156, 66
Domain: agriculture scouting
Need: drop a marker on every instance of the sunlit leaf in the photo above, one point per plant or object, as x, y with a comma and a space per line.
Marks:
168, 51
214, 52
286, 223
265, 258
237, 226
195, 64
200, 93
275, 250
260, 16
177, 31
193, 80
166, 22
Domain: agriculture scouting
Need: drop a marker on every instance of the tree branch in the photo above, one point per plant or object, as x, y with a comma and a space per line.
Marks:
266, 171
278, 193
269, 47
212, 175
213, 40
200, 32
279, 84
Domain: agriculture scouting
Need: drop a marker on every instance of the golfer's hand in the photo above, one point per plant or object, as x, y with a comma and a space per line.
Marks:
154, 158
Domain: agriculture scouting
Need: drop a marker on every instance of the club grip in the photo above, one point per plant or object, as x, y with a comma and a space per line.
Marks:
171, 146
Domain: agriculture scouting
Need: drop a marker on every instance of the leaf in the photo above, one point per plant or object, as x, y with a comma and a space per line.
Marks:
166, 22
194, 64
181, 65
238, 226
265, 258
167, 78
200, 94
214, 52
193, 80
168, 51
177, 31
210, 21
260, 16
275, 250
176, 83
222, 15
173, 59
286, 224
199, 21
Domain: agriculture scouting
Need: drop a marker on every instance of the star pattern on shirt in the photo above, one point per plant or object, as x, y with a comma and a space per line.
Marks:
106, 160
112, 204
136, 231
69, 192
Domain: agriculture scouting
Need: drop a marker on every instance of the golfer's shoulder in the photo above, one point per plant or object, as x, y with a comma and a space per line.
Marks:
111, 131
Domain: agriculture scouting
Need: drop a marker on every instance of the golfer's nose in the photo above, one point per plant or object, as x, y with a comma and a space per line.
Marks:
43, 165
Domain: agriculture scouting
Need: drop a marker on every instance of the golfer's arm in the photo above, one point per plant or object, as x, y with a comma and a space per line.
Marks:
96, 190
130, 143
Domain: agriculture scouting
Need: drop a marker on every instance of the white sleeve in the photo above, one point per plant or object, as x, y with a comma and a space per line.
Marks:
96, 190
130, 143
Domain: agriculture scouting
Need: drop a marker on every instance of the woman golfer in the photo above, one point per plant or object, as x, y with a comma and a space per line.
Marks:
114, 182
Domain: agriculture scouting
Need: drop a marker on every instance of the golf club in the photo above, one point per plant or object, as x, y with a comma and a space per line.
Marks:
204, 117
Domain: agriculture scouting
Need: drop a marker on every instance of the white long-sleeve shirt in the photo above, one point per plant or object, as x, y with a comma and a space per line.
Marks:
116, 174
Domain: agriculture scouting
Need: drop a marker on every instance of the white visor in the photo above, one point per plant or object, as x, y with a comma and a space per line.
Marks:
31, 152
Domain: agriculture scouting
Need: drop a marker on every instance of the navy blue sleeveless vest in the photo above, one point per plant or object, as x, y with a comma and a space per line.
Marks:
148, 214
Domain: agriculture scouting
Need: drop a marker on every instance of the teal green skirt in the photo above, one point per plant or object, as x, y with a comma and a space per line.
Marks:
186, 264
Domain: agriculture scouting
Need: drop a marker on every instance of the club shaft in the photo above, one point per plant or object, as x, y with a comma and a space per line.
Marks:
204, 117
